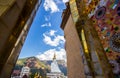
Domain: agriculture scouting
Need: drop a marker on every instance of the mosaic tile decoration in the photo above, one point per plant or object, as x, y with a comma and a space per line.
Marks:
106, 19
105, 15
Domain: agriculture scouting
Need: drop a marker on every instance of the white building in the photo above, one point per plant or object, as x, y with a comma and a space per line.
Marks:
55, 71
25, 71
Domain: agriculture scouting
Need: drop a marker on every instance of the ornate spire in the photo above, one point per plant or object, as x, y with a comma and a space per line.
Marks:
54, 65
54, 57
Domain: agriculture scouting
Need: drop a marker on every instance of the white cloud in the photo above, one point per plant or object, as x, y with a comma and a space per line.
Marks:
46, 25
48, 55
47, 18
64, 1
52, 39
58, 1
52, 32
50, 5
61, 1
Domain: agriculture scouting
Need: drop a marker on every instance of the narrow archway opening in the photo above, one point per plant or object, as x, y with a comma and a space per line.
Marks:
44, 39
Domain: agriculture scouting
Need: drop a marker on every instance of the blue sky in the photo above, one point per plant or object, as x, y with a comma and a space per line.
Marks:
45, 36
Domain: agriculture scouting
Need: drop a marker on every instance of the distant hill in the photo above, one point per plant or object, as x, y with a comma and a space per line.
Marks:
32, 62
41, 66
